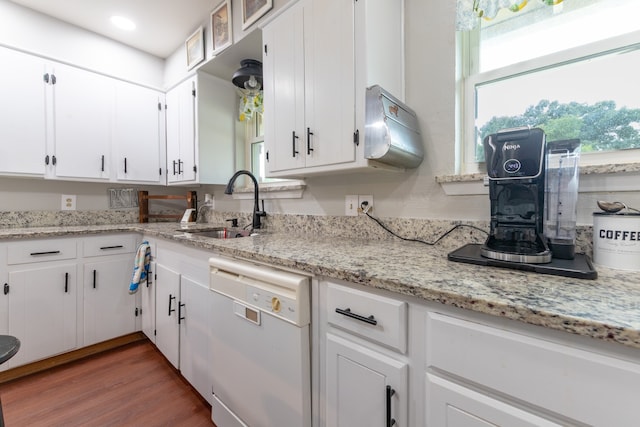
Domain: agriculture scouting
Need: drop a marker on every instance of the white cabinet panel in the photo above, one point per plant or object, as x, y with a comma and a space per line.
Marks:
181, 134
4, 294
330, 81
22, 108
451, 405
148, 304
566, 381
167, 299
42, 311
137, 133
379, 319
83, 103
356, 386
283, 69
195, 335
109, 309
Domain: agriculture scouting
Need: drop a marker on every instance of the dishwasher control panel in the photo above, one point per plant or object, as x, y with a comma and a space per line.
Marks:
276, 292
273, 302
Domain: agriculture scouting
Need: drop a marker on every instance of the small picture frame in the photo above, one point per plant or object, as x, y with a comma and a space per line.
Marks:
221, 28
252, 10
195, 48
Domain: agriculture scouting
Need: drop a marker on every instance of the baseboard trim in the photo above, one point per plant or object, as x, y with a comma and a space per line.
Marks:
61, 359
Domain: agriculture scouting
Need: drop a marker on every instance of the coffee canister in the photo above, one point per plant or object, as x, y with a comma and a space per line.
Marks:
616, 240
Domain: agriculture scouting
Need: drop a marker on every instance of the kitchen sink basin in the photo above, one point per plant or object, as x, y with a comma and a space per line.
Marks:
220, 232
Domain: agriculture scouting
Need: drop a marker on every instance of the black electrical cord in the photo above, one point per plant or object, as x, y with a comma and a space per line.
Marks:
419, 240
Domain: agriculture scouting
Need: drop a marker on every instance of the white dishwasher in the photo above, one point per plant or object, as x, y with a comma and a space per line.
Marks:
260, 347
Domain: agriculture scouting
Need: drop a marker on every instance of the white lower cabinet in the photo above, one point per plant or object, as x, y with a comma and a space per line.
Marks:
167, 328
60, 294
364, 387
4, 298
452, 405
366, 377
459, 368
109, 310
148, 303
549, 379
195, 363
42, 311
182, 318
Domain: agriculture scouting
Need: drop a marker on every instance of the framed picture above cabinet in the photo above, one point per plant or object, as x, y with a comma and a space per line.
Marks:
195, 48
221, 28
252, 10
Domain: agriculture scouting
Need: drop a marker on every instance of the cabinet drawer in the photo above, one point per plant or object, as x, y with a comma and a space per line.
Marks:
32, 251
109, 245
588, 387
377, 318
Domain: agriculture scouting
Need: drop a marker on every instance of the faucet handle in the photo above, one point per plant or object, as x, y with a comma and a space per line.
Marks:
234, 222
262, 212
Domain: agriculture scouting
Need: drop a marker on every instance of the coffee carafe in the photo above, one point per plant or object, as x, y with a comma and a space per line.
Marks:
561, 196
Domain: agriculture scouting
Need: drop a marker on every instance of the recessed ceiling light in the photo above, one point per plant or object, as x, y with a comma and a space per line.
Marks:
123, 23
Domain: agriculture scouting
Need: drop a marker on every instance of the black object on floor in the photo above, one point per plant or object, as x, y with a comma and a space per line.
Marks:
580, 267
9, 346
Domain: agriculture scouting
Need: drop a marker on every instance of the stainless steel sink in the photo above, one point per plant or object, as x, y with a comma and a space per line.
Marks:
220, 232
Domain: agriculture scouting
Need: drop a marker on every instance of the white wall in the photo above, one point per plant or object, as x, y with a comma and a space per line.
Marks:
431, 93
430, 83
35, 33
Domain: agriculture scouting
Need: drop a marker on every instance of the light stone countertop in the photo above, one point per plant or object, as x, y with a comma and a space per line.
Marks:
607, 308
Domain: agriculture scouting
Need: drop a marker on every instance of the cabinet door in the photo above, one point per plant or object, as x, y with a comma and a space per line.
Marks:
22, 108
4, 294
330, 81
42, 311
83, 103
181, 135
136, 133
109, 309
195, 341
148, 304
283, 74
452, 405
167, 299
356, 386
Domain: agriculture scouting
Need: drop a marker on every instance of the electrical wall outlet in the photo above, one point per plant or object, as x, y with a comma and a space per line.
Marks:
368, 201
351, 205
68, 202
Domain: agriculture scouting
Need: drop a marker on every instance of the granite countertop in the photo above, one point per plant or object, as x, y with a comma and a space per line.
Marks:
607, 308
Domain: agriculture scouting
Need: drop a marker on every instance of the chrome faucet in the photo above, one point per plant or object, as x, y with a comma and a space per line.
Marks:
257, 213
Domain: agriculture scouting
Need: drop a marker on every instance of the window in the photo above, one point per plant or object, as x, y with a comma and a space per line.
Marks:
570, 69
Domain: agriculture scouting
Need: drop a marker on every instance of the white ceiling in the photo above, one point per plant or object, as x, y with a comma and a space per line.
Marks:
162, 25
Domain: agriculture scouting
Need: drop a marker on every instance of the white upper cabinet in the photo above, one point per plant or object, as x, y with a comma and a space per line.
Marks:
181, 132
283, 72
137, 134
82, 120
319, 57
329, 82
22, 108
201, 131
63, 122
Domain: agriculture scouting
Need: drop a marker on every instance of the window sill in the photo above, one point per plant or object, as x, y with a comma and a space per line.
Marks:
599, 178
273, 190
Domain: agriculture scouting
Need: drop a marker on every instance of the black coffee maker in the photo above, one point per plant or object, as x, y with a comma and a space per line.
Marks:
515, 160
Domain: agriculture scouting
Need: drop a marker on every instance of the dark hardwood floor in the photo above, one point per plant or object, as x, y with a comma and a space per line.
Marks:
133, 385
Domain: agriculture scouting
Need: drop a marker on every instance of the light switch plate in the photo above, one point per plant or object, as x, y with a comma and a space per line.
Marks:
68, 202
351, 205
